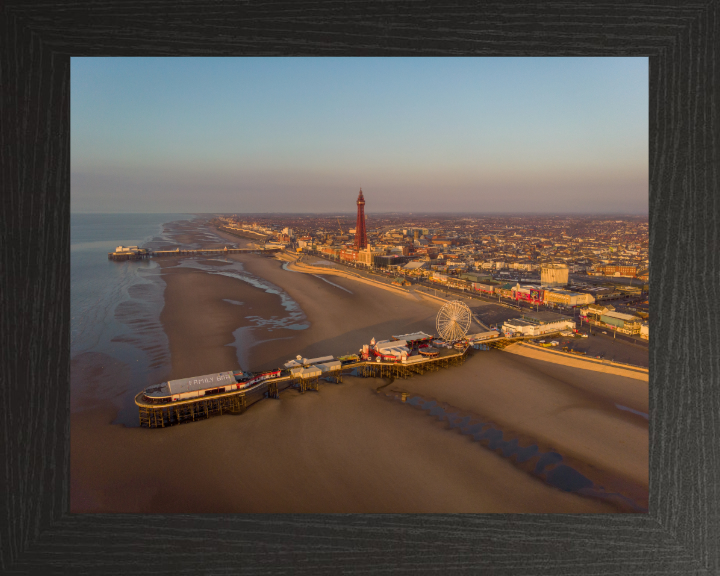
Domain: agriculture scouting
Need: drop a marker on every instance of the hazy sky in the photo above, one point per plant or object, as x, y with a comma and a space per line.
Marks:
303, 134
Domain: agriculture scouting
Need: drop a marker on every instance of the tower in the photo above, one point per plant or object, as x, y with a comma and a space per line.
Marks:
360, 235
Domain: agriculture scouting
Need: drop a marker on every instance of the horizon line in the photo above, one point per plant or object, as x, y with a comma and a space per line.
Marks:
352, 213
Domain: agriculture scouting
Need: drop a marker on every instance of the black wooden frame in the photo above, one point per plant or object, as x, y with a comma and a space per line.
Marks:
680, 535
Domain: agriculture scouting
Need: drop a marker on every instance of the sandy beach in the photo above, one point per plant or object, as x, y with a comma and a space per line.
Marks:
570, 410
346, 448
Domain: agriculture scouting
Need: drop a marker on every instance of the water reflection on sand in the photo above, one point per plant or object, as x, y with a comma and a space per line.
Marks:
548, 465
244, 338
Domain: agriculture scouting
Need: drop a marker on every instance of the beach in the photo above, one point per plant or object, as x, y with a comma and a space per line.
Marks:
349, 447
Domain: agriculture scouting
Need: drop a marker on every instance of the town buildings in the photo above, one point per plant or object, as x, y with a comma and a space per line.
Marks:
537, 324
550, 261
554, 274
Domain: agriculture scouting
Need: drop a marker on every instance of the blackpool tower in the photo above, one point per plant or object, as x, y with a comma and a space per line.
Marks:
360, 235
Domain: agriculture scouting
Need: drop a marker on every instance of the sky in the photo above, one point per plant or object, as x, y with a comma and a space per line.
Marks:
476, 135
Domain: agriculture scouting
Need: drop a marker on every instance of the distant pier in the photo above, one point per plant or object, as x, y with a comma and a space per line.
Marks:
142, 253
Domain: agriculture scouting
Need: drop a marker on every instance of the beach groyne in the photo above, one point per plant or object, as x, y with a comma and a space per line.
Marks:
558, 357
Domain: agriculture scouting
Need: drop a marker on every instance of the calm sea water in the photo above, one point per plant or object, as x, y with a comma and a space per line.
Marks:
99, 285
115, 306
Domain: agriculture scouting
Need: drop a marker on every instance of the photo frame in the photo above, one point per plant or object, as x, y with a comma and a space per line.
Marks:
680, 533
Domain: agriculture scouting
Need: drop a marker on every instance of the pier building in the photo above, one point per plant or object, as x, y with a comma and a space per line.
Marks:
128, 253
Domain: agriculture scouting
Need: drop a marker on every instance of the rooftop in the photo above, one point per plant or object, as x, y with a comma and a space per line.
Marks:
519, 322
621, 316
413, 337
414, 265
192, 384
308, 361
600, 307
544, 317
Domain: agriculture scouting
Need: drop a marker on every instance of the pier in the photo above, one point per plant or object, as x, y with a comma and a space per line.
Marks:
161, 415
304, 375
141, 254
214, 252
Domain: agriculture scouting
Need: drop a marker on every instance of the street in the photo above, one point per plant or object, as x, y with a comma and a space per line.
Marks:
607, 348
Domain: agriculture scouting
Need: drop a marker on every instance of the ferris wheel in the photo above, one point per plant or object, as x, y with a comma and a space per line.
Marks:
453, 321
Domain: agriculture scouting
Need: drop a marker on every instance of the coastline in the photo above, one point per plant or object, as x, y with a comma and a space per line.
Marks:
346, 448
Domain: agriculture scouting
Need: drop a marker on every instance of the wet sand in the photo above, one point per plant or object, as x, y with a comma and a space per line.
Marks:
199, 318
570, 410
346, 448
344, 315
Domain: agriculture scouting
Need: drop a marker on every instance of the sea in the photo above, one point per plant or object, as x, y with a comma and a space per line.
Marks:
117, 343
115, 306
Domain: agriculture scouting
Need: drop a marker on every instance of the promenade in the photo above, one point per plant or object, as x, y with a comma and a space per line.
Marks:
565, 359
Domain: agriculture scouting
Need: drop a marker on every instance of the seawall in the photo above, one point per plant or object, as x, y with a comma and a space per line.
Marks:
566, 359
